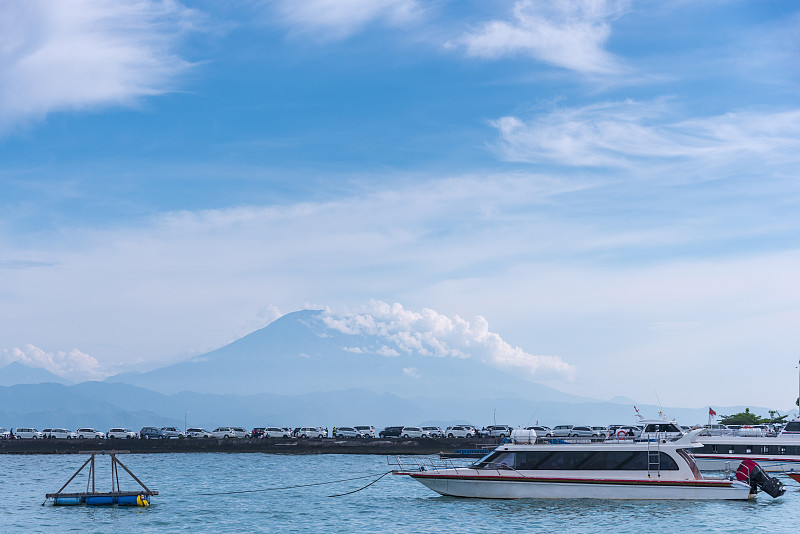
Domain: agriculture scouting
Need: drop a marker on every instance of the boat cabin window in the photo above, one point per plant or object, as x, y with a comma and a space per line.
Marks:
662, 427
577, 460
792, 426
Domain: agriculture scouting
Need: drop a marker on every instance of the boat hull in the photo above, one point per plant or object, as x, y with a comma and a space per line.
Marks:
541, 488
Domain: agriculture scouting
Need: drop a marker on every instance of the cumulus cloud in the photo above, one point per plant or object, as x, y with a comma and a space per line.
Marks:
338, 19
73, 364
618, 134
430, 333
77, 54
564, 33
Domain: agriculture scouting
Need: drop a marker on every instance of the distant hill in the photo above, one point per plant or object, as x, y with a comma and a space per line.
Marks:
105, 405
298, 372
299, 354
19, 373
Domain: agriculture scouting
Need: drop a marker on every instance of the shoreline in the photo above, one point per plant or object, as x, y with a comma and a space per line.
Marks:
246, 445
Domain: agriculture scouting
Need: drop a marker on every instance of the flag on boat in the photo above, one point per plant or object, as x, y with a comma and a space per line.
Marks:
711, 411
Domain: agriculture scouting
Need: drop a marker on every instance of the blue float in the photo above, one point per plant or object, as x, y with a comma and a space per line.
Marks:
115, 497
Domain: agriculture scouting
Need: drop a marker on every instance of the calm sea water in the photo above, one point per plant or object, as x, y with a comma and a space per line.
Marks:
394, 504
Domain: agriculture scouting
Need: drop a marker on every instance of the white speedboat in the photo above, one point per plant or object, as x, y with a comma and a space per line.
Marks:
780, 454
609, 470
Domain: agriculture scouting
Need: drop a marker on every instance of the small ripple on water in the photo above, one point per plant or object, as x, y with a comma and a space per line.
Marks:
393, 505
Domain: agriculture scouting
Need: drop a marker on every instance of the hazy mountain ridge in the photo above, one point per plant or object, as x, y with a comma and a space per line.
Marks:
18, 373
103, 405
299, 354
299, 372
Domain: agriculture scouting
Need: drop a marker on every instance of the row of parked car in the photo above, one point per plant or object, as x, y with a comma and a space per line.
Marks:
148, 432
361, 431
456, 431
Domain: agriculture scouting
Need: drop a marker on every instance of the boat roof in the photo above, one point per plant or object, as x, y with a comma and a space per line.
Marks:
687, 441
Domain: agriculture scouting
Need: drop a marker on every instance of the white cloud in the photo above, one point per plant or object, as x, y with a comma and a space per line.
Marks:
387, 351
338, 19
430, 333
73, 365
619, 134
556, 268
411, 372
565, 33
60, 55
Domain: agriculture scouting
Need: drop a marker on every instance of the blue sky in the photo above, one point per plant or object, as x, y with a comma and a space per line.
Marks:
610, 183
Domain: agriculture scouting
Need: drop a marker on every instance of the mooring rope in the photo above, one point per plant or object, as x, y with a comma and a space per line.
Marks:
304, 486
359, 489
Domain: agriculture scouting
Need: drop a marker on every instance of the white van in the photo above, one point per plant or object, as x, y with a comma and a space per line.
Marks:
28, 433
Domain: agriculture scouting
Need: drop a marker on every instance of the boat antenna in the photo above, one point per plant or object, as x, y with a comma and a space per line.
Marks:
495, 417
660, 407
532, 416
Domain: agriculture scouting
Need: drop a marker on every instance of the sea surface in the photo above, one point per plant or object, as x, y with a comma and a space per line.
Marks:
393, 504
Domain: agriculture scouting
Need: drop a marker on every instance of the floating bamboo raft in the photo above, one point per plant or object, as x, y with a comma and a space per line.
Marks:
103, 498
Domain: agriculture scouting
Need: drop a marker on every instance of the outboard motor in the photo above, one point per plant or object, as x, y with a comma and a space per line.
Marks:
751, 472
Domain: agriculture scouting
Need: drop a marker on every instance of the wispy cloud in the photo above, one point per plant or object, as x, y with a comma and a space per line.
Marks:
60, 55
338, 19
25, 264
430, 333
73, 364
621, 134
565, 33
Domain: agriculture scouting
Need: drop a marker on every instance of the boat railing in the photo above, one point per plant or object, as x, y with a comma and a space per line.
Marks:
413, 464
419, 464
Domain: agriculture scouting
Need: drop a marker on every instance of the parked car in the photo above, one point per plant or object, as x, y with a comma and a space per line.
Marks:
602, 431
562, 431
197, 433
312, 432
89, 433
121, 433
225, 432
367, 431
460, 431
46, 433
276, 432
62, 433
413, 432
5, 434
498, 431
151, 432
347, 432
583, 432
434, 431
391, 432
171, 432
257, 432
541, 431
28, 433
